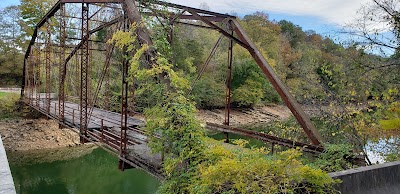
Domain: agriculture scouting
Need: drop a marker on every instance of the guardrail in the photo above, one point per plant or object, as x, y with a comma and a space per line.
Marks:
380, 178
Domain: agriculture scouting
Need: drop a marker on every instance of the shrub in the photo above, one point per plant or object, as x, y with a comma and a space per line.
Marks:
209, 93
8, 104
336, 157
239, 170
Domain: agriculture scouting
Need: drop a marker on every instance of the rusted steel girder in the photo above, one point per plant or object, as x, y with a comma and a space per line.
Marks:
48, 67
38, 64
203, 68
195, 25
172, 5
228, 91
77, 47
124, 114
289, 100
91, 1
266, 138
77, 75
24, 81
143, 37
61, 92
30, 78
84, 71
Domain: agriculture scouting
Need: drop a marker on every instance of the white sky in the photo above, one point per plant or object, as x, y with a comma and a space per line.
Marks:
330, 11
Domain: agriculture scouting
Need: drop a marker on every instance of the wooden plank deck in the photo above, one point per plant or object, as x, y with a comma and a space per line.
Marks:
72, 115
138, 154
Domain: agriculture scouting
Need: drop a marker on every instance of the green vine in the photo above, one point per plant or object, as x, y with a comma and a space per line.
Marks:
194, 163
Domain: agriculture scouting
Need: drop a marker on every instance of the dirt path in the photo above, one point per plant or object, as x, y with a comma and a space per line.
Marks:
35, 134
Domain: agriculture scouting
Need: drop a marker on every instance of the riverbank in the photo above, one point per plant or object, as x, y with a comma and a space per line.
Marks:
34, 134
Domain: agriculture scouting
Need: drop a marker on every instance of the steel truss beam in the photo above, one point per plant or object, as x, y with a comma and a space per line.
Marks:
228, 91
61, 92
48, 67
84, 71
289, 100
38, 64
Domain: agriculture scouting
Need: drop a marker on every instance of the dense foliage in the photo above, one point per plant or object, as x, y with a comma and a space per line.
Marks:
196, 164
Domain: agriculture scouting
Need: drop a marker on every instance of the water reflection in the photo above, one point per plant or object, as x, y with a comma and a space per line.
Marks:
95, 172
383, 149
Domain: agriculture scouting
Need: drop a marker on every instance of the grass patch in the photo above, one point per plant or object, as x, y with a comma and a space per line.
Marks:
8, 105
2, 94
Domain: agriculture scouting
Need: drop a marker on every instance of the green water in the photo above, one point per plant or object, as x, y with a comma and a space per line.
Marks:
95, 173
252, 142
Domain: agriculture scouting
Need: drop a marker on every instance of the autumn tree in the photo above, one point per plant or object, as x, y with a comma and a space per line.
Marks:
10, 46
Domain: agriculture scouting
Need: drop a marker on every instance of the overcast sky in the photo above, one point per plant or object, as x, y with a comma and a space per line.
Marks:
319, 15
330, 11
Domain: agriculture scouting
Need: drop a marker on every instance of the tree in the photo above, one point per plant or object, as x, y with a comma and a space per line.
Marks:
32, 11
10, 46
293, 32
378, 27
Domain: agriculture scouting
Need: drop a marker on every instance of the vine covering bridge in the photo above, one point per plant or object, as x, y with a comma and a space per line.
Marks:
59, 83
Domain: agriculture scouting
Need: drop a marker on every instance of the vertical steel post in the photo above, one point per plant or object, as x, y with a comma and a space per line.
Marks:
109, 51
27, 80
77, 75
62, 71
31, 71
38, 64
228, 86
48, 66
34, 78
23, 82
124, 106
89, 77
84, 71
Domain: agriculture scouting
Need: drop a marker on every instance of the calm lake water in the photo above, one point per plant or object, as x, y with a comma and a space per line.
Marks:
93, 172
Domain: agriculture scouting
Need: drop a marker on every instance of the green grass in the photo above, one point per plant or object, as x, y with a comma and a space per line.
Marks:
2, 94
8, 105
9, 94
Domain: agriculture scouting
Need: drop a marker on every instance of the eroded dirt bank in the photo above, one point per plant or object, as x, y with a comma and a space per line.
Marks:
35, 134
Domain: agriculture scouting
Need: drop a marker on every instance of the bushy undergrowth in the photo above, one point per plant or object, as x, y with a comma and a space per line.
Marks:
238, 170
8, 105
195, 164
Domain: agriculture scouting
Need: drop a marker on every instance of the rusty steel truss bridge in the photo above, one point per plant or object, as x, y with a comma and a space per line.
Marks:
58, 71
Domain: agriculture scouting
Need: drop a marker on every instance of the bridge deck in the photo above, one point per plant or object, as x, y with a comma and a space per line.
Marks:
138, 154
